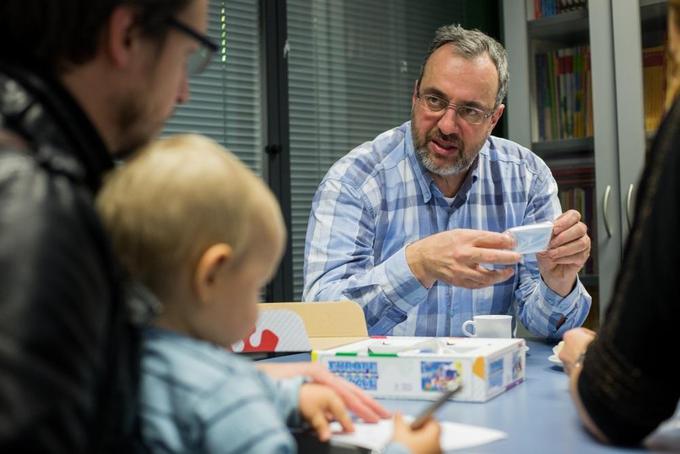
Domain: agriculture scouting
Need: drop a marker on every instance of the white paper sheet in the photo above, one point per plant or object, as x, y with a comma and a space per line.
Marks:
454, 435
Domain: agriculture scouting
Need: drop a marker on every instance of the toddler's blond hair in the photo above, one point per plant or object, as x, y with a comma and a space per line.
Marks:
176, 198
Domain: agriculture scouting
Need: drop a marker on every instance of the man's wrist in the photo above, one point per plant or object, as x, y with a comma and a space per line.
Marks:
562, 287
414, 263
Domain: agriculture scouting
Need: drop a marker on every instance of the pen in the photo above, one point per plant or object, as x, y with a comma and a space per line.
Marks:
430, 409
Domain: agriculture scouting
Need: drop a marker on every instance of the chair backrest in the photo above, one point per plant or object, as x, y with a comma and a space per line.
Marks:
327, 318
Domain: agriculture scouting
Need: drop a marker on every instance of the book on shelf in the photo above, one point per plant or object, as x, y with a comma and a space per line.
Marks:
576, 191
545, 8
563, 93
654, 81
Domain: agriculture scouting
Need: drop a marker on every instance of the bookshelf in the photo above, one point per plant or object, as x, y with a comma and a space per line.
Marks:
572, 25
548, 149
582, 96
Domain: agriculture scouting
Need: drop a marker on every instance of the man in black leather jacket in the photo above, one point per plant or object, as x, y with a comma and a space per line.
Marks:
80, 82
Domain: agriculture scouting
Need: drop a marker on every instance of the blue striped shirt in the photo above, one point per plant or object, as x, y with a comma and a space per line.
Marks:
197, 397
378, 198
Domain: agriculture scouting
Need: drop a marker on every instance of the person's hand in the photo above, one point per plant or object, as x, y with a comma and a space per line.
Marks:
576, 342
319, 405
422, 441
567, 252
354, 398
457, 257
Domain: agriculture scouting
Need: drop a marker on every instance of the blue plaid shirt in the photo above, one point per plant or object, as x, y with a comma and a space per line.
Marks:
378, 198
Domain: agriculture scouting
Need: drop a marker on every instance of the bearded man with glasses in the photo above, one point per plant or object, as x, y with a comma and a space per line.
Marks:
410, 224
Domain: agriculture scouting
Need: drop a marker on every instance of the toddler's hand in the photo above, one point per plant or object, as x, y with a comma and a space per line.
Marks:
422, 441
355, 398
319, 405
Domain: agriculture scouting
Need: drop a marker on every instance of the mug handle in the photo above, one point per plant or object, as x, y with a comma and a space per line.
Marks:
465, 331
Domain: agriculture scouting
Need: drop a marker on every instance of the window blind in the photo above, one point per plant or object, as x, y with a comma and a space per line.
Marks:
351, 70
225, 102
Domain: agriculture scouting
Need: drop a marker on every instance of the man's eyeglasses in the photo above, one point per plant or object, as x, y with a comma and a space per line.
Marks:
200, 58
469, 114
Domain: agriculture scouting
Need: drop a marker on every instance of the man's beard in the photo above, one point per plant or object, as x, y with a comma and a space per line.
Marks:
461, 164
135, 127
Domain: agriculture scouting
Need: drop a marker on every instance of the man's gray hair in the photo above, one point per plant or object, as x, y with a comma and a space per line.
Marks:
471, 44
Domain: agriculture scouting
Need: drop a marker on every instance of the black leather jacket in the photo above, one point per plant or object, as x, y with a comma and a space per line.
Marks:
68, 356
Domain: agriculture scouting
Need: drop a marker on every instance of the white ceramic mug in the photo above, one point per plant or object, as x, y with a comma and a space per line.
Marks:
489, 326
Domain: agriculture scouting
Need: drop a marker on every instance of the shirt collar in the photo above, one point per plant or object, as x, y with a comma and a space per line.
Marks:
142, 303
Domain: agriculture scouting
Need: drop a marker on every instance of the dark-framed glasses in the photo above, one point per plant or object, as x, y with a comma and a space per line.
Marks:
200, 58
469, 114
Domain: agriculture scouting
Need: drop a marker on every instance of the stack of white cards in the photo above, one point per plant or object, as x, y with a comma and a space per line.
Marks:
532, 238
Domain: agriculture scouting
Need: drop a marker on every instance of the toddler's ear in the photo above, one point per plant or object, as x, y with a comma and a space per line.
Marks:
208, 268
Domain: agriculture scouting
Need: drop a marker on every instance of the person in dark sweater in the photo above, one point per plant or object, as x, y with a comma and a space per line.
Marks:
81, 81
621, 380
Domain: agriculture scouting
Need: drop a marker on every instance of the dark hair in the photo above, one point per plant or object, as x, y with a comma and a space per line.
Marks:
56, 33
471, 44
